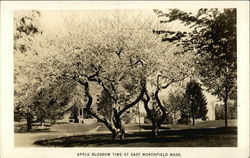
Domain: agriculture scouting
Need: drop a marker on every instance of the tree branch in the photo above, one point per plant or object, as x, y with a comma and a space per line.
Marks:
169, 83
163, 109
93, 113
143, 88
95, 78
146, 101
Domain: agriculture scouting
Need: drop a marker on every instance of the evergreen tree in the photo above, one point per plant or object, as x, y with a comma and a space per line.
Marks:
202, 106
196, 101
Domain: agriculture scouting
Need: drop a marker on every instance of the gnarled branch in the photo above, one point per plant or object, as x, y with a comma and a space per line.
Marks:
93, 113
146, 101
143, 89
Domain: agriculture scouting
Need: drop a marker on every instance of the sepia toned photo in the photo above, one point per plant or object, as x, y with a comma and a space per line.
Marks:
125, 78
112, 79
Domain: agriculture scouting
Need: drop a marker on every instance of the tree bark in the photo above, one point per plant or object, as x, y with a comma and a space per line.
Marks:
118, 125
151, 114
193, 120
160, 120
93, 113
155, 129
143, 90
225, 106
115, 125
156, 121
29, 121
226, 98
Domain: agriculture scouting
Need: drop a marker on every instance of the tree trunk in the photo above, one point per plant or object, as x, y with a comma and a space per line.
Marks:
156, 121
115, 125
193, 120
120, 132
226, 98
225, 106
163, 117
119, 125
29, 122
53, 121
155, 128
151, 114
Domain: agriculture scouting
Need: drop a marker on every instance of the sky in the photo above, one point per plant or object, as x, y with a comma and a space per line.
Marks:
53, 21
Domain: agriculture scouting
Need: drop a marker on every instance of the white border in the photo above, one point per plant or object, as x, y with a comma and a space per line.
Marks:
7, 130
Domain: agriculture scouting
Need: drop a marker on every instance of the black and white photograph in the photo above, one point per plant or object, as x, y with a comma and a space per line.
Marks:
163, 77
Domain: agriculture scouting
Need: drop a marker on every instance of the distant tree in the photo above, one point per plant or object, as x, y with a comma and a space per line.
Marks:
197, 103
49, 102
213, 39
177, 102
232, 110
74, 114
202, 112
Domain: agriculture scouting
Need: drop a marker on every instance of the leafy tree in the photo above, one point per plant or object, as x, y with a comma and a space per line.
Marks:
177, 103
26, 30
49, 102
74, 114
232, 110
117, 51
213, 39
171, 68
107, 53
27, 25
39, 94
174, 69
134, 58
197, 103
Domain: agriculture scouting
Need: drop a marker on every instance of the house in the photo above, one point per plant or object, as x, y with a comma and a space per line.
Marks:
136, 114
77, 112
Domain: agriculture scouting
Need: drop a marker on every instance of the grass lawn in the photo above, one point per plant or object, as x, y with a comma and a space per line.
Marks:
203, 134
219, 137
27, 139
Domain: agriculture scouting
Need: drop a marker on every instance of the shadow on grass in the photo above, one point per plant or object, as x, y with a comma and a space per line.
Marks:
176, 138
34, 130
149, 127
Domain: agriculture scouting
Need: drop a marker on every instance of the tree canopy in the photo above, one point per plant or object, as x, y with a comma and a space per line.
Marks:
116, 50
213, 39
